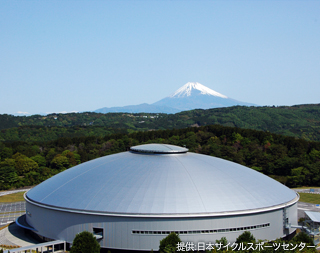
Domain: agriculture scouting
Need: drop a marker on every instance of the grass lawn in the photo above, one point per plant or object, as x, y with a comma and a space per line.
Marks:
14, 197
309, 198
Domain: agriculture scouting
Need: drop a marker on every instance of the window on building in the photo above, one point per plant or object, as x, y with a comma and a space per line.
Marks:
98, 233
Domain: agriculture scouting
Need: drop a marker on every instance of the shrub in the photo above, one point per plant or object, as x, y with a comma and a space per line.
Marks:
246, 237
85, 242
302, 237
169, 243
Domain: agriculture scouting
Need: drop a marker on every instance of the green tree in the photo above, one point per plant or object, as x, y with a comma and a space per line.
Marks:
40, 160
245, 237
50, 155
8, 175
315, 155
222, 242
298, 176
73, 158
32, 178
85, 242
8, 162
169, 243
24, 164
60, 163
302, 237
236, 137
5, 153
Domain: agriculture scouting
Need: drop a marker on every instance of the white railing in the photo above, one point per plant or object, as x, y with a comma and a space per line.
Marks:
41, 247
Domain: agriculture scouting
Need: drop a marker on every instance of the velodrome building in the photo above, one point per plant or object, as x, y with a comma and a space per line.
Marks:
132, 200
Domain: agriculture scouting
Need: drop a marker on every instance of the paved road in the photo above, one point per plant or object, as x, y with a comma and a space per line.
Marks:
302, 206
306, 207
312, 190
13, 191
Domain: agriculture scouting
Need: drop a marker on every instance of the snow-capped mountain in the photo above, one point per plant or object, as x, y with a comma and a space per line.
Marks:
186, 90
190, 96
197, 96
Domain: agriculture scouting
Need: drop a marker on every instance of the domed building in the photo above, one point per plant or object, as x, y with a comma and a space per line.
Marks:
132, 200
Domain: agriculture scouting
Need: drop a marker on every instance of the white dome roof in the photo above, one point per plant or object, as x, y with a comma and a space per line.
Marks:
170, 180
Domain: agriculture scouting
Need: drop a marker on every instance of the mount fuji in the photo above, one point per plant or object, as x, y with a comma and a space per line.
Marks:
197, 96
190, 96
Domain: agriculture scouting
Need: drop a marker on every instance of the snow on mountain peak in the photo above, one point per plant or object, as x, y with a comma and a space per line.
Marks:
186, 90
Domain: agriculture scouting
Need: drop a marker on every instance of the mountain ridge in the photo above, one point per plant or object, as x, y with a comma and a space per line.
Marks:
192, 95
197, 96
146, 108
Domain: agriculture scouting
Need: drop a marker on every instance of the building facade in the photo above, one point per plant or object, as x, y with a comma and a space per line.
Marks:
133, 199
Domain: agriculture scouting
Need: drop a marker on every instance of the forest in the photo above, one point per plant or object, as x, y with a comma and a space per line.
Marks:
293, 162
300, 121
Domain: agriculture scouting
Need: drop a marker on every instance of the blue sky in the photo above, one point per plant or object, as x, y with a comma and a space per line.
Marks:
83, 55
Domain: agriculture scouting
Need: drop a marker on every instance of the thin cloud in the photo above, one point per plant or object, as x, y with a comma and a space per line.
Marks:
19, 112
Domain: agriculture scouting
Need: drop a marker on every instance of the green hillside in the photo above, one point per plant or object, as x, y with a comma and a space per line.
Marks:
294, 162
300, 121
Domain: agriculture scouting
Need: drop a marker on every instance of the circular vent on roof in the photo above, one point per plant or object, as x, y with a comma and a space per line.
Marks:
159, 149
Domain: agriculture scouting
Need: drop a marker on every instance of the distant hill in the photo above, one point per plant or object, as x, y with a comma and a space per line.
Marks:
139, 108
300, 121
188, 97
